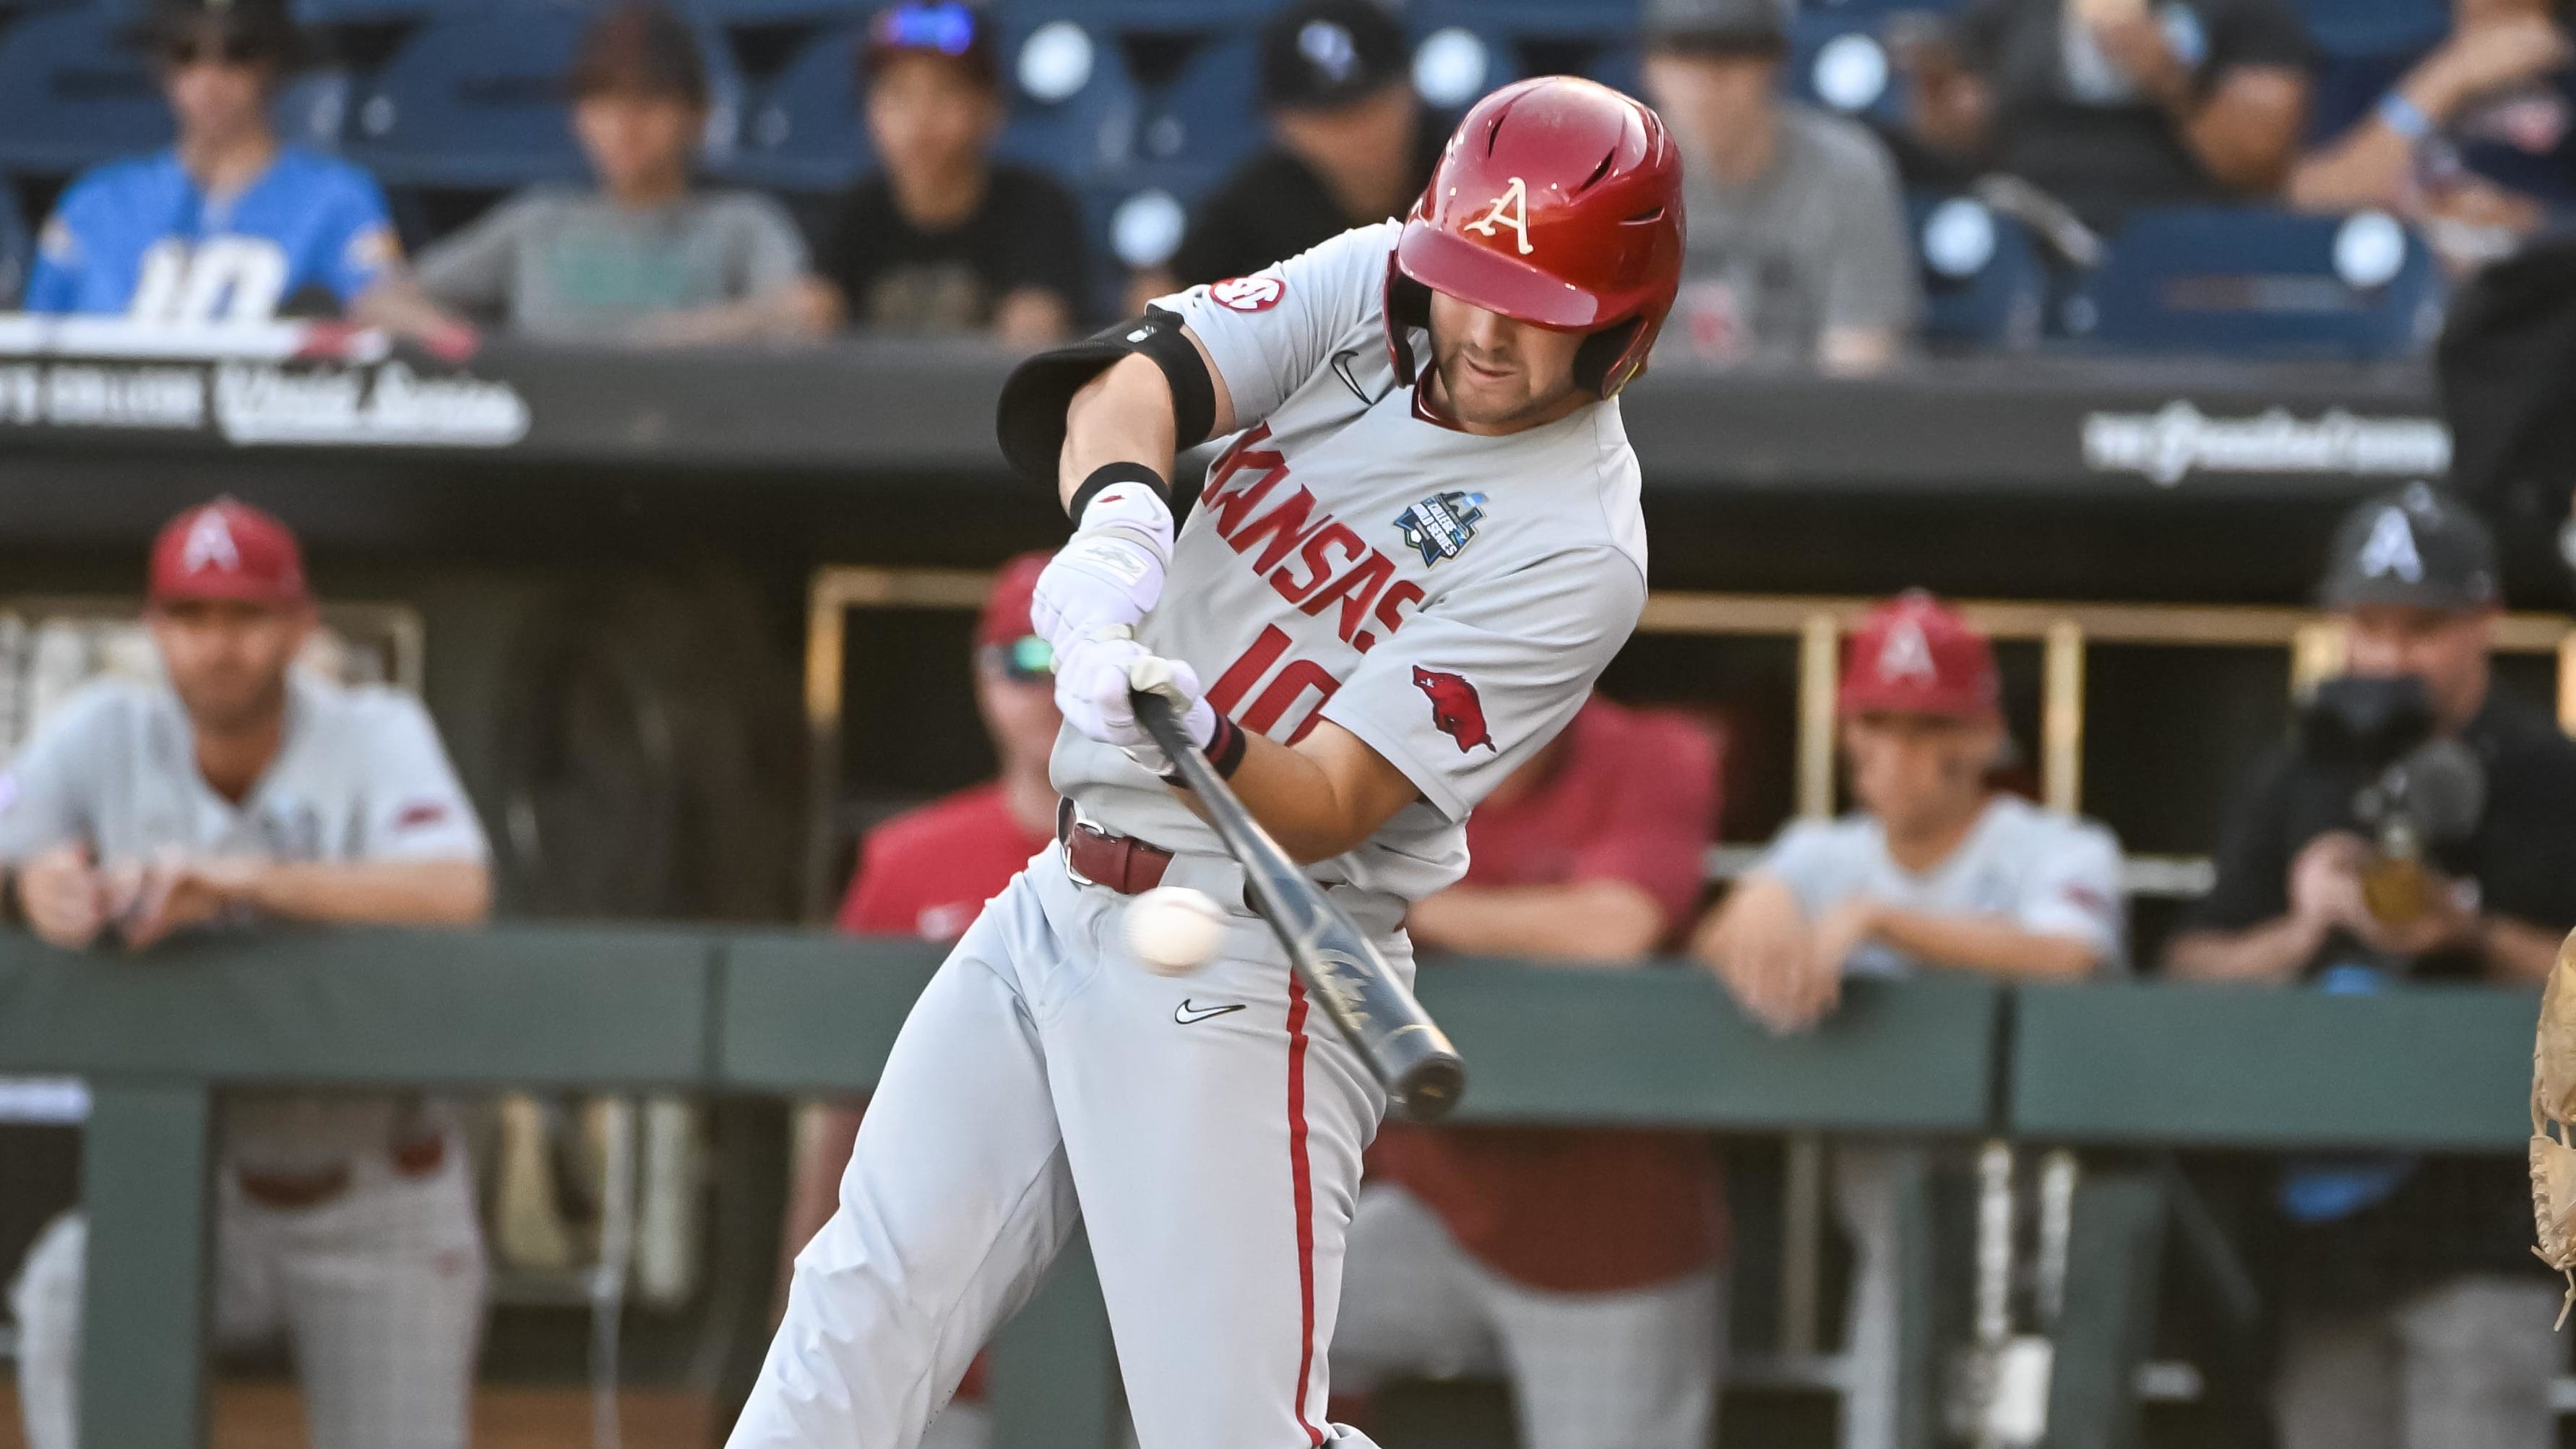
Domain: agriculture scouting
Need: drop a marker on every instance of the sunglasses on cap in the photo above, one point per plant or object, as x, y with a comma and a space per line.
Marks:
1024, 660
182, 51
946, 28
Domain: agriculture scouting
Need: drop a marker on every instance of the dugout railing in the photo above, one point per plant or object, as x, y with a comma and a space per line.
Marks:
2065, 633
158, 1037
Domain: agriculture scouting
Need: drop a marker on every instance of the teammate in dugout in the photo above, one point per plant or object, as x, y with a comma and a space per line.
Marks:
1935, 869
237, 791
1399, 584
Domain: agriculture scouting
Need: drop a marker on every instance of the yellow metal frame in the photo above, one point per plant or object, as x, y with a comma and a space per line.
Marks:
1817, 623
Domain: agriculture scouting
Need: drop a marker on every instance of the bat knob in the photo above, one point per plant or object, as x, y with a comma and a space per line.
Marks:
1428, 1088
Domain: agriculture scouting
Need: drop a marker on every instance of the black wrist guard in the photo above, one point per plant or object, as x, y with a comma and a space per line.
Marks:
1224, 752
1109, 475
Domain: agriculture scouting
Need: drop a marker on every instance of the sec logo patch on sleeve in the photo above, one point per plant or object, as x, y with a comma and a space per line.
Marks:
1456, 710
1248, 294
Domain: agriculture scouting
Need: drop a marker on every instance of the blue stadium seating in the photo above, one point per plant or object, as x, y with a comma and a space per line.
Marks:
16, 248
475, 100
803, 132
1838, 59
73, 93
1458, 57
2363, 27
1596, 19
1205, 116
1984, 287
2261, 283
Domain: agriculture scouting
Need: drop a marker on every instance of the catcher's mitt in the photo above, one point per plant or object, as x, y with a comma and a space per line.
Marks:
2553, 1100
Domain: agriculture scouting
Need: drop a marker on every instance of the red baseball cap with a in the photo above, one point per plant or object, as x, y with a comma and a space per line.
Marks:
1915, 655
1006, 609
228, 550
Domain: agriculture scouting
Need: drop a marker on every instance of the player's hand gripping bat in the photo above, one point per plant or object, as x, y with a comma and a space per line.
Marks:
1406, 1050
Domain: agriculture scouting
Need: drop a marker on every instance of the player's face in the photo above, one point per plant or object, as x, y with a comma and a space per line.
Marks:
2445, 648
1498, 375
1919, 772
638, 142
930, 120
216, 82
228, 659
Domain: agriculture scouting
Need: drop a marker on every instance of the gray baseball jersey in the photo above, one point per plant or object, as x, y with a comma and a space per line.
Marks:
1447, 597
359, 775
2046, 872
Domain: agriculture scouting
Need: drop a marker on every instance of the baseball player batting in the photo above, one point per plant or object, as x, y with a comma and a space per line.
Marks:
1400, 581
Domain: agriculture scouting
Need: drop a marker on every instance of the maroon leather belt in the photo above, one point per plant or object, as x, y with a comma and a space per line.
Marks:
291, 1191
1121, 862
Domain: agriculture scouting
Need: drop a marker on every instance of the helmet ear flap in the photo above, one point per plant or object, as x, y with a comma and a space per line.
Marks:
1602, 365
1407, 306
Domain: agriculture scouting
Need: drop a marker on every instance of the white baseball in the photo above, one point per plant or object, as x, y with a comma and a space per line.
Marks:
1174, 930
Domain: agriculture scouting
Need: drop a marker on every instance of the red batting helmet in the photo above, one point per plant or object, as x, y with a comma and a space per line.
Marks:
1557, 202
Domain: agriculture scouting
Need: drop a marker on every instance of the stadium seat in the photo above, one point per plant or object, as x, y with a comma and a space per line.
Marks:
1205, 117
1838, 59
73, 93
1073, 109
475, 100
16, 248
2251, 282
1984, 288
1465, 48
1459, 58
2364, 27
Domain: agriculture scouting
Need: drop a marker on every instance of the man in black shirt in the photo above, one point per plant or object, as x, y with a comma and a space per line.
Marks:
2414, 1314
944, 240
1349, 145
2110, 104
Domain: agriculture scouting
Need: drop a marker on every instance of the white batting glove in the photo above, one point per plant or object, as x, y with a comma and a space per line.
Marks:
1109, 575
1092, 680
1179, 683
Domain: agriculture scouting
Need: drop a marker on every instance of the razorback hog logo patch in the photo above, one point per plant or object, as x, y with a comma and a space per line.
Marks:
1455, 708
1248, 294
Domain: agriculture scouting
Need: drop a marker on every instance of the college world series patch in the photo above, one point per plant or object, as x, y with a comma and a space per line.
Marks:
1442, 525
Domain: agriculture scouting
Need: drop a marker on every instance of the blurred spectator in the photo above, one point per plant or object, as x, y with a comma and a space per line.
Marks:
1797, 235
928, 872
227, 225
1585, 1265
644, 257
1936, 869
241, 790
945, 240
2113, 104
1349, 145
2473, 136
2413, 1313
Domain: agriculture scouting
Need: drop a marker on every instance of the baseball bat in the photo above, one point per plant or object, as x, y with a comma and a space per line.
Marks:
1404, 1048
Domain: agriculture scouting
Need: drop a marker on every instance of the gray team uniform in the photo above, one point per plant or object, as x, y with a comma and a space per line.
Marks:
379, 1284
2039, 870
1445, 597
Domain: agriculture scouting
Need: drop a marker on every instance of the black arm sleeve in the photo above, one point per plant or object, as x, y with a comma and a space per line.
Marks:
2253, 856
1030, 418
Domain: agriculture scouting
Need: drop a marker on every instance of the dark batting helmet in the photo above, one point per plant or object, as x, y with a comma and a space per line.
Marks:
1558, 202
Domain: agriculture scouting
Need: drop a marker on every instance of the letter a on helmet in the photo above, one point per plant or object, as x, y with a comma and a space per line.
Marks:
1558, 203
